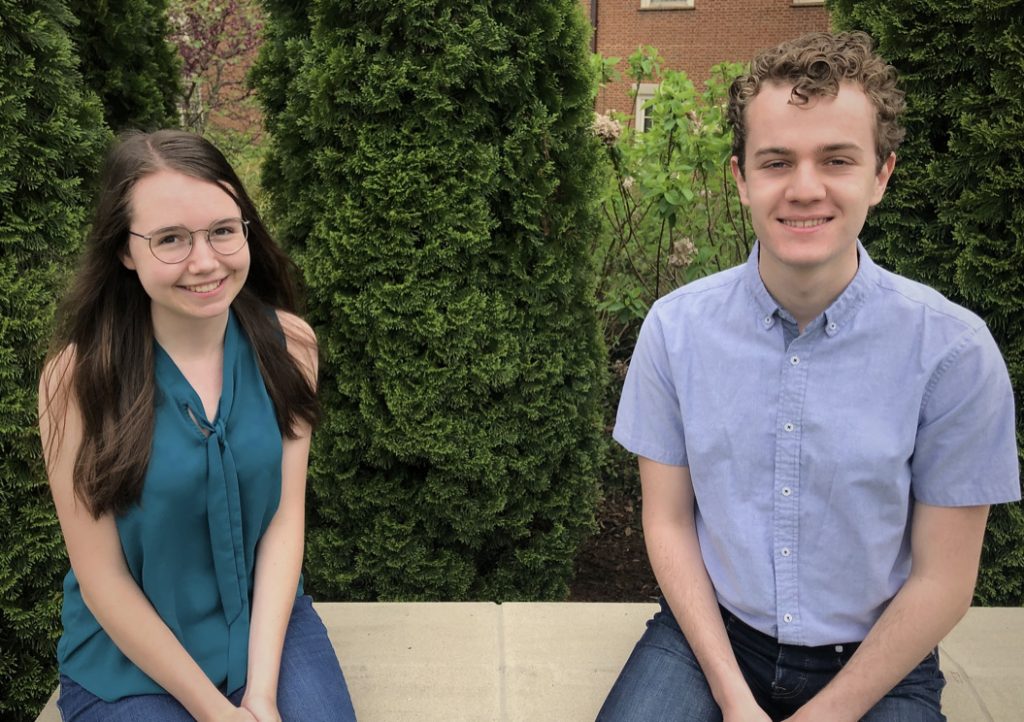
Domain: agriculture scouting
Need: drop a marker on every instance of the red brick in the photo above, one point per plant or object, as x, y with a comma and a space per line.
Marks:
695, 39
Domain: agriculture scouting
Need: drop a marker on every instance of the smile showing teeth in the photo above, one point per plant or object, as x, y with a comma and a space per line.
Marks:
204, 288
809, 223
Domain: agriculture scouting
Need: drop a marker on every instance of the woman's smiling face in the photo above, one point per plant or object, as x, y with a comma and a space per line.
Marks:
204, 284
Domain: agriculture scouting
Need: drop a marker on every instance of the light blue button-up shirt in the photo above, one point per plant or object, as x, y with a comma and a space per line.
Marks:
808, 451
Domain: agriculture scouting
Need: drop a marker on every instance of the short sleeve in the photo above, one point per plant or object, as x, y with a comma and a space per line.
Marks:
966, 448
649, 422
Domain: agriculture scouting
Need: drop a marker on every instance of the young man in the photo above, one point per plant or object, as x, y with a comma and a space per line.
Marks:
819, 439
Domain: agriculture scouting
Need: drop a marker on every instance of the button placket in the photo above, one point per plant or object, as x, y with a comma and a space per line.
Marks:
788, 438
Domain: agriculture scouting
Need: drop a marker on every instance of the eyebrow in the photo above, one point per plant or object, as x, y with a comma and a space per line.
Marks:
830, 148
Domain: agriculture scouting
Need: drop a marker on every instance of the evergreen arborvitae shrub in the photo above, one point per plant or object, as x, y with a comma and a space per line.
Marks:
52, 136
953, 216
127, 60
433, 173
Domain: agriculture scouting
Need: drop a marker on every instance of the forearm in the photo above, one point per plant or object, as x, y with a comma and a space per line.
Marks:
679, 567
946, 546
678, 564
917, 619
278, 565
134, 626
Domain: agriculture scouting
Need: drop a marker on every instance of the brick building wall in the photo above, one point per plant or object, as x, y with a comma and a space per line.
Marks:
694, 39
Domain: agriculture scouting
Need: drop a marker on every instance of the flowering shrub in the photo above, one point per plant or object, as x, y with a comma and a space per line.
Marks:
217, 41
670, 209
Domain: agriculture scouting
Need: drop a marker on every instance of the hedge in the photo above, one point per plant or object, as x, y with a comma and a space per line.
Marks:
127, 59
433, 173
52, 135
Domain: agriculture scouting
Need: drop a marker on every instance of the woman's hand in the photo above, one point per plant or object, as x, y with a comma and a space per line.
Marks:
262, 709
747, 711
235, 714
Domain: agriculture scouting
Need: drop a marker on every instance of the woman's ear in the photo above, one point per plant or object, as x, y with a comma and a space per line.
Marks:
126, 257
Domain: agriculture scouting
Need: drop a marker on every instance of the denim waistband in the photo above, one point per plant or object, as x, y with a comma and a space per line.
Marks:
737, 626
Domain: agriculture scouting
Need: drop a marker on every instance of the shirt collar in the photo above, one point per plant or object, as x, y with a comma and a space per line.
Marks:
837, 315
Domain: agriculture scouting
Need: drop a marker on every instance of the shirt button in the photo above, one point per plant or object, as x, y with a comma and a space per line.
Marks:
767, 320
787, 618
794, 360
832, 326
786, 491
789, 427
785, 552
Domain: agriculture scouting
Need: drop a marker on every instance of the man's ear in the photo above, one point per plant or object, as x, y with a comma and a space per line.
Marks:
882, 178
741, 182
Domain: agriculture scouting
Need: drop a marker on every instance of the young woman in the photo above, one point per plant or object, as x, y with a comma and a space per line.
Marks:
175, 410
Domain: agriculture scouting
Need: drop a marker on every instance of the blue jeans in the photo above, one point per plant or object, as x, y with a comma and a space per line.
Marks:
662, 681
310, 687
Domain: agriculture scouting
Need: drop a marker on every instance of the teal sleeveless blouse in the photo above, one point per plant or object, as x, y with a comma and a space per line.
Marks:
209, 494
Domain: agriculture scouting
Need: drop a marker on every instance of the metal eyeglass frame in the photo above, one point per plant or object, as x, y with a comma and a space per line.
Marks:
192, 238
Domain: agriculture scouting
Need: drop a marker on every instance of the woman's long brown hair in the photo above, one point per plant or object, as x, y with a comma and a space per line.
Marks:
104, 322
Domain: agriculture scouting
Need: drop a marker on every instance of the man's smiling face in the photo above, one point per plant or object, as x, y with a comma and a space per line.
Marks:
810, 177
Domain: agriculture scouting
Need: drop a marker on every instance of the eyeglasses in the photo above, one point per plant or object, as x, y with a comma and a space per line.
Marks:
174, 244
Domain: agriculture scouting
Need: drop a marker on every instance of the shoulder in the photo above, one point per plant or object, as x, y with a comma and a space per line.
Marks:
56, 379
707, 295
295, 327
951, 341
60, 419
925, 302
300, 339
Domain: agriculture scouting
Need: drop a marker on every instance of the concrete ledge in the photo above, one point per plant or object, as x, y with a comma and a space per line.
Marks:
535, 662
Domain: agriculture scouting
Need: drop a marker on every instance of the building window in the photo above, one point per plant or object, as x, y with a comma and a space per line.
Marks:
666, 4
641, 118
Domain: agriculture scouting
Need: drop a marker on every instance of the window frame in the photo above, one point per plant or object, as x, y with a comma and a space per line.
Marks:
666, 4
645, 92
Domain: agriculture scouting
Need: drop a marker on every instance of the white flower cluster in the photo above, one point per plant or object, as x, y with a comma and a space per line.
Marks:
683, 253
606, 128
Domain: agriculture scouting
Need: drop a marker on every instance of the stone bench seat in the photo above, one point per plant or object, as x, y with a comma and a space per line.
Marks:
555, 662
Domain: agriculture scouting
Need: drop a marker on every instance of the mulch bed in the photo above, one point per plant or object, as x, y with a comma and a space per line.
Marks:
612, 565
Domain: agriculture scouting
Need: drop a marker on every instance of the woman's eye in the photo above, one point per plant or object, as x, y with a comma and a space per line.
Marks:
169, 239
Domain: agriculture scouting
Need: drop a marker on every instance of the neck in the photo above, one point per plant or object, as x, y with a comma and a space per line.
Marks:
806, 293
185, 338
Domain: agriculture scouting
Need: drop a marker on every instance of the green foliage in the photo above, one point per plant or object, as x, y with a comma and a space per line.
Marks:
52, 135
954, 213
670, 210
432, 171
128, 61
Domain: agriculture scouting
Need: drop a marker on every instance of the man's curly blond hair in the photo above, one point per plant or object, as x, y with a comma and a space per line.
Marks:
815, 64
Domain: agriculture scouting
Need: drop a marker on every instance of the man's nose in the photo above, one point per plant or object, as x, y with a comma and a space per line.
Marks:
805, 184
